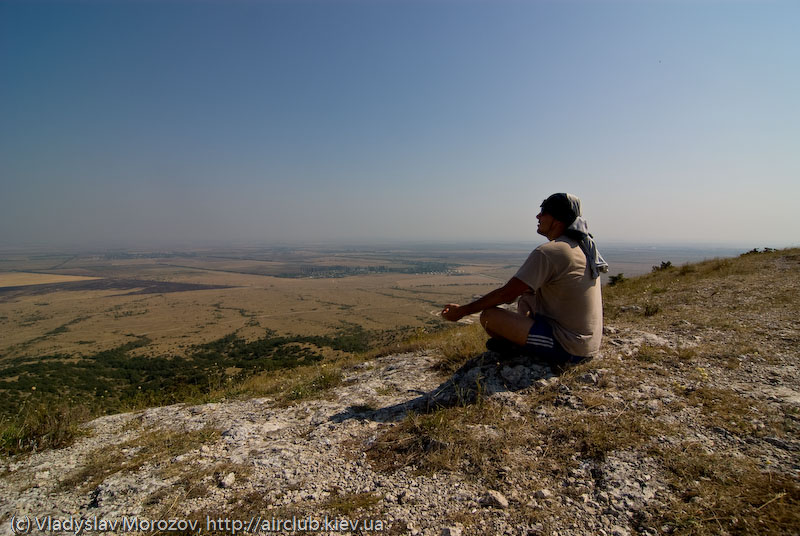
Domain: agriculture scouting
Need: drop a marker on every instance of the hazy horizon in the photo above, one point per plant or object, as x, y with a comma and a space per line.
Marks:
630, 259
130, 123
366, 245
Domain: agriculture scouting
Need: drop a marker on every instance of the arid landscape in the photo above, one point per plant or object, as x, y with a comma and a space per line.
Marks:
686, 424
85, 303
61, 314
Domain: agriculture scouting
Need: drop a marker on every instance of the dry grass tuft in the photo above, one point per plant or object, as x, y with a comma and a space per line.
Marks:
448, 439
349, 503
288, 387
593, 435
728, 410
151, 447
724, 494
454, 345
41, 426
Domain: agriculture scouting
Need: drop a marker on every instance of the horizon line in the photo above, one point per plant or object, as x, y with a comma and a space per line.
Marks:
143, 246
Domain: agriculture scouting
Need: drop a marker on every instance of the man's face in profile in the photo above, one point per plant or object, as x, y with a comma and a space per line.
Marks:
545, 223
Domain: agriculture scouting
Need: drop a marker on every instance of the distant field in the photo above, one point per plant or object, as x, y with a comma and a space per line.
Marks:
83, 303
20, 279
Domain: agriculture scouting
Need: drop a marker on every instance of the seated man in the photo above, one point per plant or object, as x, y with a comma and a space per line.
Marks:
560, 316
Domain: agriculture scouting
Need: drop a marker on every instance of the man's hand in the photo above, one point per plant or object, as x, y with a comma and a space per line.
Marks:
505, 294
452, 312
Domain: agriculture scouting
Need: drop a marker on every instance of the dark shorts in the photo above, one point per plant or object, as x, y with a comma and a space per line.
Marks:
542, 344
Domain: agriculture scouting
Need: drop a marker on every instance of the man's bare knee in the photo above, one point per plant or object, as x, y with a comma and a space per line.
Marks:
506, 324
487, 315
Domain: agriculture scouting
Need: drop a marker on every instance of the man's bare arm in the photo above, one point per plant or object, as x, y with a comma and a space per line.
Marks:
505, 294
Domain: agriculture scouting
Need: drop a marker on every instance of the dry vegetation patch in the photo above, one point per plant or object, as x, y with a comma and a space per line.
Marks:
350, 503
41, 426
152, 446
304, 382
447, 439
453, 345
725, 493
545, 428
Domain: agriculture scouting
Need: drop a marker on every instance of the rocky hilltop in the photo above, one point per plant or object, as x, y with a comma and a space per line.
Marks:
686, 424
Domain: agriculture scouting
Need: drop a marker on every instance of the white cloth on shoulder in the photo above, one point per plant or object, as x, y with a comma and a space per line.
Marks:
579, 231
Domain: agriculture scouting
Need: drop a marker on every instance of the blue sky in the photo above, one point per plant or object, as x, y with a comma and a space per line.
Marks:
165, 122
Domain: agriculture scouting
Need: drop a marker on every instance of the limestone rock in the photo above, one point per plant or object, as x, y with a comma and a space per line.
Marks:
228, 481
494, 498
455, 530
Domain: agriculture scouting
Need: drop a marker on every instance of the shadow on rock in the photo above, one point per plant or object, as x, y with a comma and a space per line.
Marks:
483, 375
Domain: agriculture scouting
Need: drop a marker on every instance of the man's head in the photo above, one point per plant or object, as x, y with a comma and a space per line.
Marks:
562, 208
558, 212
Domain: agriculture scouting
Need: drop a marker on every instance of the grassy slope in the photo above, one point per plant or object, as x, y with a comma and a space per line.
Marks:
46, 400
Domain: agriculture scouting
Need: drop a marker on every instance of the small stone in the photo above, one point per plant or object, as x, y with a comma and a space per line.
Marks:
570, 401
617, 530
537, 529
494, 498
654, 340
455, 530
590, 378
543, 494
228, 481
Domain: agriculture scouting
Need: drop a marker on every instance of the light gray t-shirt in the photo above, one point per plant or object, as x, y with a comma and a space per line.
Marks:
563, 290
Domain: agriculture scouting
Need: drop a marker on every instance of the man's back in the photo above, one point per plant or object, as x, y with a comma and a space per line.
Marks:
565, 293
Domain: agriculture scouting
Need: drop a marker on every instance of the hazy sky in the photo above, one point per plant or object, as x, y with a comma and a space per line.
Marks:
126, 122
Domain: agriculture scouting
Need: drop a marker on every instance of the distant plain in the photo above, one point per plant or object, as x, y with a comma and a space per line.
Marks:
88, 302
75, 303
